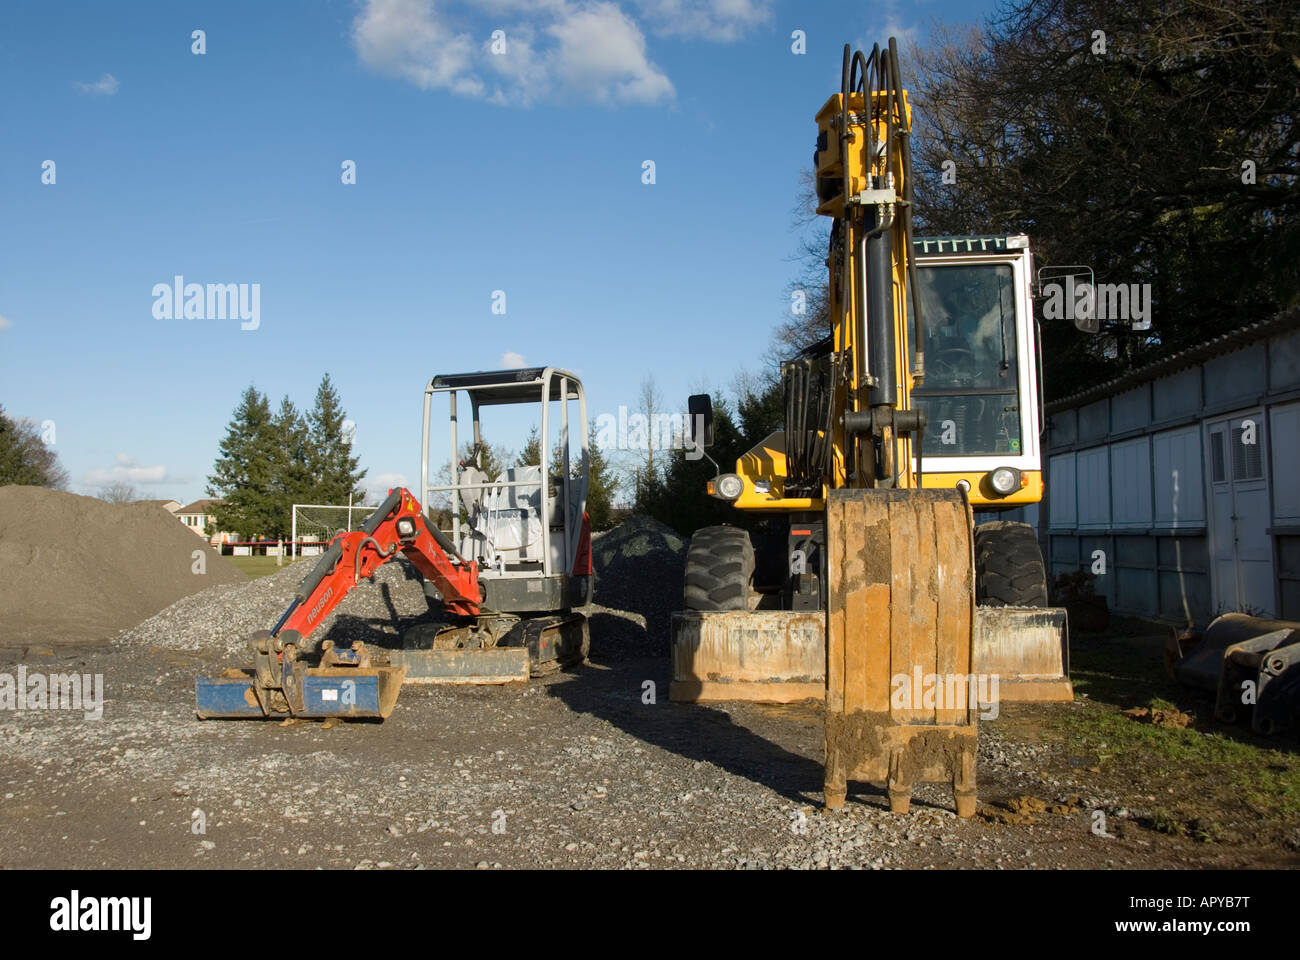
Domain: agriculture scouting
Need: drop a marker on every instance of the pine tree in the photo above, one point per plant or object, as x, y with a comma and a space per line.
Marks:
603, 483
243, 477
601, 490
291, 469
335, 477
531, 454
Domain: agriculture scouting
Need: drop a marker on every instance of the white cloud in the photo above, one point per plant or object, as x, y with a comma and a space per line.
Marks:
379, 486
126, 470
556, 50
723, 21
510, 360
5, 323
898, 24
105, 86
405, 38
601, 50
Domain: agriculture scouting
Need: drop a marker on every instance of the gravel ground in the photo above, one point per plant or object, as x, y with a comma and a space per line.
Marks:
589, 768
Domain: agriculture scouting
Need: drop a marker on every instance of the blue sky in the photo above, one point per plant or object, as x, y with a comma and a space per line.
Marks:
475, 172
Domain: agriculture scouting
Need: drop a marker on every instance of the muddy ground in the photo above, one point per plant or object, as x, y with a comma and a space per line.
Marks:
577, 770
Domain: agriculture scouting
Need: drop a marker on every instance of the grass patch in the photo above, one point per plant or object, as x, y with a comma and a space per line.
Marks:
1216, 772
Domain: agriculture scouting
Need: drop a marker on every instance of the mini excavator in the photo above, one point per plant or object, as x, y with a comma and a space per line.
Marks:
502, 586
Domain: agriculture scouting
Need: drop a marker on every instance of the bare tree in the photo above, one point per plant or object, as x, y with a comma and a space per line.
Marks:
25, 457
118, 492
1155, 143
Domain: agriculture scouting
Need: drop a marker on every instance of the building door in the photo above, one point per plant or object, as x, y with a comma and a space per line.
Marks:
1241, 551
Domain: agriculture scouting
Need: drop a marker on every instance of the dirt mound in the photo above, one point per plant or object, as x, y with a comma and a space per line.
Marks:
76, 569
639, 567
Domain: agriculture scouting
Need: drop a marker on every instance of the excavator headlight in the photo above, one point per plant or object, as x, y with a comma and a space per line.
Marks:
1005, 480
728, 486
406, 528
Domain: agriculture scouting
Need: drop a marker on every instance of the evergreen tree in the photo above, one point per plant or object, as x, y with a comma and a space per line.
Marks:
490, 459
679, 497
602, 483
291, 468
334, 469
600, 492
244, 475
531, 454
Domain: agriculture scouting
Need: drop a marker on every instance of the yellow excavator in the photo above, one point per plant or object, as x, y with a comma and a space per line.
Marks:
870, 584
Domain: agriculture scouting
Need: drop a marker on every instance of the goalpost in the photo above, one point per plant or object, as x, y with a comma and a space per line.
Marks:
313, 525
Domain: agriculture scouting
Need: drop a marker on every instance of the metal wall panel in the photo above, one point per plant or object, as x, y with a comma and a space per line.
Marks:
1178, 395
1236, 376
1179, 478
1135, 591
1184, 596
1063, 429
1062, 555
1284, 449
1061, 508
1103, 583
1284, 362
1094, 421
1092, 482
1131, 409
1130, 483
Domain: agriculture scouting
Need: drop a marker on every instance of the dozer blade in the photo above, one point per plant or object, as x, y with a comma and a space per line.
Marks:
1027, 649
534, 646
779, 656
318, 693
498, 665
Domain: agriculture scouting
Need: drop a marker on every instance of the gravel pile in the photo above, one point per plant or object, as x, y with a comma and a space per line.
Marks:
639, 567
221, 618
76, 569
638, 585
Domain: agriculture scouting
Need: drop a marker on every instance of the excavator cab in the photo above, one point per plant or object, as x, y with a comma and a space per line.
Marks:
531, 539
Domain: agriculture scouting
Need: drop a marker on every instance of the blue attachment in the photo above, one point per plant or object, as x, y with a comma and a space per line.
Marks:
344, 692
220, 697
335, 696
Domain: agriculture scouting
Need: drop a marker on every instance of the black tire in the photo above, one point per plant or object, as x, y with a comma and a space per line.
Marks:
1009, 569
719, 569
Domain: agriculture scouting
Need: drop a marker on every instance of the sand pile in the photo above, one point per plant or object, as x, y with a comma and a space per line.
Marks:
76, 569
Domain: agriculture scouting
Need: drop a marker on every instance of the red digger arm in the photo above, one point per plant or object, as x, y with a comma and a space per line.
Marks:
396, 525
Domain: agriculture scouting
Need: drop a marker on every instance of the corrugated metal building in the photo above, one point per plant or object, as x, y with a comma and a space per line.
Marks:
1180, 480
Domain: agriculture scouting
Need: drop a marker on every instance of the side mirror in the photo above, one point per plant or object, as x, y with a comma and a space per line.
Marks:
700, 408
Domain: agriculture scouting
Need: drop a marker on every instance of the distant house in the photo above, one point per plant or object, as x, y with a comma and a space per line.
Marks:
171, 506
197, 515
